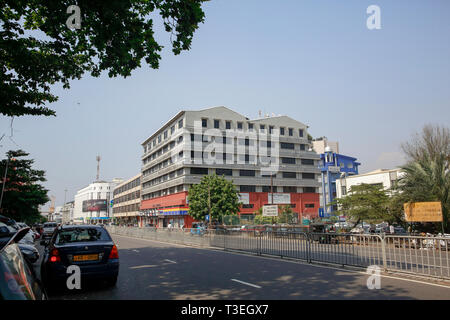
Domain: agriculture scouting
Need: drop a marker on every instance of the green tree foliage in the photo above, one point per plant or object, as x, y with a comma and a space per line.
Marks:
22, 192
285, 215
426, 174
214, 195
365, 202
37, 49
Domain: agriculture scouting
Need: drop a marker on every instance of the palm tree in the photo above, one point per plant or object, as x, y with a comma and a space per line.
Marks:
427, 179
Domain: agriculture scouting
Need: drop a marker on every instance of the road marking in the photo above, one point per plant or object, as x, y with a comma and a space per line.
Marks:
287, 261
246, 283
136, 250
170, 261
144, 266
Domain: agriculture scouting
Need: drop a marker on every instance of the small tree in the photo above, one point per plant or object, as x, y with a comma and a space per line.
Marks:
215, 196
365, 202
286, 214
22, 193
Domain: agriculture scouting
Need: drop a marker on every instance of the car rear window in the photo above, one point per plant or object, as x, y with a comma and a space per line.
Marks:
50, 225
81, 235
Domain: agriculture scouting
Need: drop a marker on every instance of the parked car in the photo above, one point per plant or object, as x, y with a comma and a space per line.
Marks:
89, 247
48, 229
17, 279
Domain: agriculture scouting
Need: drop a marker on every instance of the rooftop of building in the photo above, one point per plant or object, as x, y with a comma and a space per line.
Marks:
179, 114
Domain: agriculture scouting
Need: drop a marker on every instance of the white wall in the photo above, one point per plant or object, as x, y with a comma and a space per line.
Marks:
91, 193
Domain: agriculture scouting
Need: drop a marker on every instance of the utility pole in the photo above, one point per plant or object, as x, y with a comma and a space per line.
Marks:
271, 192
209, 203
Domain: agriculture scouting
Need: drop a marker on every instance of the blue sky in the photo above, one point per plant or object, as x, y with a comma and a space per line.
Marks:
313, 60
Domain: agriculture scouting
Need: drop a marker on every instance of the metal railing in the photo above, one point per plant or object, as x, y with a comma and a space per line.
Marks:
411, 254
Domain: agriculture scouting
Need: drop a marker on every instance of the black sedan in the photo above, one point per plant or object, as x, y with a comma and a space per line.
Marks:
87, 246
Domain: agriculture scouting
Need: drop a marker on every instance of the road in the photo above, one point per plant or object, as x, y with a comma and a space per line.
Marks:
153, 270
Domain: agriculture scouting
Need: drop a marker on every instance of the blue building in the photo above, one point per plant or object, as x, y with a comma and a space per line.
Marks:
333, 166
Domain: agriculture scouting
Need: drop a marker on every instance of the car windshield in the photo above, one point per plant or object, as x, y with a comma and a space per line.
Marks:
81, 235
50, 225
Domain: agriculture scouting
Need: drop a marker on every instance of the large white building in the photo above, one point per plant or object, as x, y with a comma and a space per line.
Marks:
92, 204
382, 177
221, 141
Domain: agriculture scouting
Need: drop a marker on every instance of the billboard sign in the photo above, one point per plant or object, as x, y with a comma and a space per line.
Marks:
270, 211
279, 198
423, 212
94, 205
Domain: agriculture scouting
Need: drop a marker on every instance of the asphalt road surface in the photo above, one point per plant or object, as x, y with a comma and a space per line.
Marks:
153, 270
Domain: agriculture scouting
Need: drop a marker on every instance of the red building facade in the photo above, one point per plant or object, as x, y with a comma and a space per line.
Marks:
174, 208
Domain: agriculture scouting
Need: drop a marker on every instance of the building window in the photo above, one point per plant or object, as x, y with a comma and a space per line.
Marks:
291, 132
285, 145
290, 175
270, 129
199, 170
228, 125
159, 139
247, 189
262, 127
344, 190
247, 173
307, 175
224, 172
309, 205
269, 144
300, 133
247, 158
308, 162
180, 139
172, 129
309, 190
216, 124
247, 141
282, 131
302, 147
180, 124
290, 189
239, 125
247, 206
250, 126
204, 123
165, 135
288, 160
267, 189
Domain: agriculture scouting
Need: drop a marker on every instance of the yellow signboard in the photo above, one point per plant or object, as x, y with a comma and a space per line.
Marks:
423, 211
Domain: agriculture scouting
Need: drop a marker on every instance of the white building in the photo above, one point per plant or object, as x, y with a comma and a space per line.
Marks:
92, 204
384, 177
320, 144
67, 212
57, 215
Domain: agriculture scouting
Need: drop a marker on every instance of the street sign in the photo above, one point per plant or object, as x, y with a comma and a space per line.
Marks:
270, 211
423, 211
